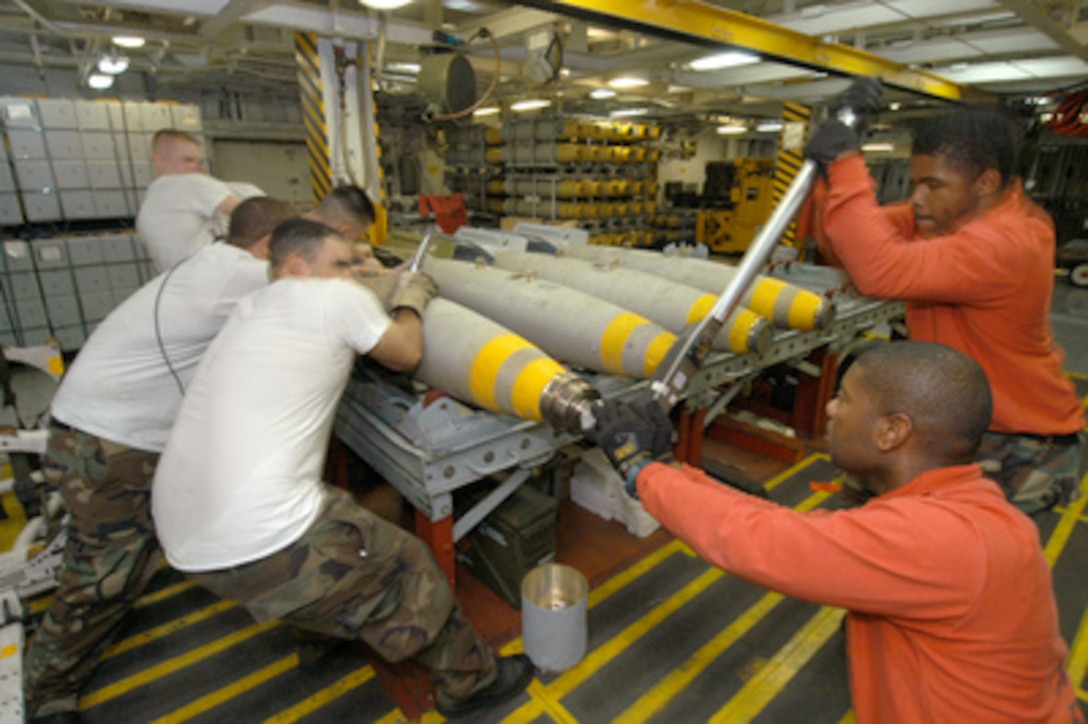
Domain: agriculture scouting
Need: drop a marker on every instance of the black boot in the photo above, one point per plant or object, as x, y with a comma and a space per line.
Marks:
514, 674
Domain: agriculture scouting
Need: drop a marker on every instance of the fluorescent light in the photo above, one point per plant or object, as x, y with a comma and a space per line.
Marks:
403, 67
602, 93
530, 105
630, 112
769, 127
878, 147
730, 59
385, 4
113, 64
128, 41
489, 111
894, 106
731, 130
628, 82
99, 81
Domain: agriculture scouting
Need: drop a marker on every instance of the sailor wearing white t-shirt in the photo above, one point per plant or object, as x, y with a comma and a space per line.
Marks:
238, 498
111, 416
184, 208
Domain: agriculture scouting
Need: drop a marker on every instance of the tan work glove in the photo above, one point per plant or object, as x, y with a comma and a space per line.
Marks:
414, 290
383, 283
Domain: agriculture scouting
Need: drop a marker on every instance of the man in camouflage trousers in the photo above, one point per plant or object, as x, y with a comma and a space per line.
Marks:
394, 598
110, 420
1035, 472
239, 501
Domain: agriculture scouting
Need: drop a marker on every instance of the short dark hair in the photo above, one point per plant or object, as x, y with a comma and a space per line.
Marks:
256, 217
351, 203
943, 391
298, 236
976, 138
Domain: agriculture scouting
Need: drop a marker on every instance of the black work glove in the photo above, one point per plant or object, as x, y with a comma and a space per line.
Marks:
831, 139
632, 435
834, 136
862, 97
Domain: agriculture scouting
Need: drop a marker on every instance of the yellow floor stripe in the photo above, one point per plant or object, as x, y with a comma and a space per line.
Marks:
169, 666
620, 580
772, 678
163, 594
849, 718
172, 626
543, 703
673, 684
396, 717
314, 702
783, 477
209, 702
619, 643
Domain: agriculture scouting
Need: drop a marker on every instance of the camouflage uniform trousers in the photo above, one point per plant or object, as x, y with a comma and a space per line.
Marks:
1035, 473
110, 557
355, 576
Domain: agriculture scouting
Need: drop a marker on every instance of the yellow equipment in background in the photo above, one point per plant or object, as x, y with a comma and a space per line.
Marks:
749, 184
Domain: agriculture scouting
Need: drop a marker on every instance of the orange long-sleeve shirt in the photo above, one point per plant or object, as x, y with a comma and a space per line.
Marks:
951, 611
984, 290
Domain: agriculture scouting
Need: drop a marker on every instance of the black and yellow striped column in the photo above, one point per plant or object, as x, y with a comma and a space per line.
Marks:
789, 160
313, 114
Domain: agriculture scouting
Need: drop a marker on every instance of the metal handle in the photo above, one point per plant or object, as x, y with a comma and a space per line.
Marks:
424, 244
688, 352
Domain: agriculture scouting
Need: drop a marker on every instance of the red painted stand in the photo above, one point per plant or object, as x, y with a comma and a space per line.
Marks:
808, 418
438, 535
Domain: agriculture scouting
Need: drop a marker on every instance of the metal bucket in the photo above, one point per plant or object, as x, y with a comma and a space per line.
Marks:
553, 616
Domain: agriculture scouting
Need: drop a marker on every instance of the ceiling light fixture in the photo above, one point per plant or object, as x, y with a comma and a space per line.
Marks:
384, 4
894, 106
530, 105
113, 64
629, 112
730, 59
625, 82
602, 93
99, 81
769, 127
731, 130
128, 41
488, 111
878, 147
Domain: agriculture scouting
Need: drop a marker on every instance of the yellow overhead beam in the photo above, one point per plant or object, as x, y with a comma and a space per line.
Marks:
706, 22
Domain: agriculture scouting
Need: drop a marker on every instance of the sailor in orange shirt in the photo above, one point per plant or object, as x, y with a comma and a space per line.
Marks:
951, 612
973, 258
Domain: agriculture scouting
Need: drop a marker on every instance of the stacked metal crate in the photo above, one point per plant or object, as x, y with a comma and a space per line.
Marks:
64, 286
70, 165
76, 160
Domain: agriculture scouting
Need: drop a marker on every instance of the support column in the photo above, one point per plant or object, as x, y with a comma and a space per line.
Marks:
795, 119
313, 114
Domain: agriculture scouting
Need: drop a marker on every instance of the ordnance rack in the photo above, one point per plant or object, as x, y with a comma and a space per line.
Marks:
428, 449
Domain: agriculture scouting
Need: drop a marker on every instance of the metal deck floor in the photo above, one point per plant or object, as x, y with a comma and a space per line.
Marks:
671, 639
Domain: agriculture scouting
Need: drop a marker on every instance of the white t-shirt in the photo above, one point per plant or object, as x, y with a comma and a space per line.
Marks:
241, 476
119, 386
178, 216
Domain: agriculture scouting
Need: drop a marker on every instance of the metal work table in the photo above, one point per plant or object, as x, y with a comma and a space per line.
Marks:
428, 446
